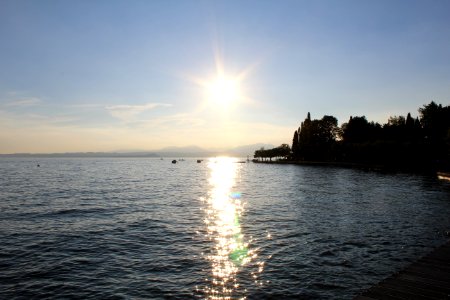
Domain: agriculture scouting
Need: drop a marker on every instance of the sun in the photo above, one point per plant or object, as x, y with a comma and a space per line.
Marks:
222, 91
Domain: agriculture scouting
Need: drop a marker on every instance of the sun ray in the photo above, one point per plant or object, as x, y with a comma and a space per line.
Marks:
222, 90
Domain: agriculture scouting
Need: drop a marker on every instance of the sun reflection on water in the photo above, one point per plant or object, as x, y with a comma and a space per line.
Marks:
224, 208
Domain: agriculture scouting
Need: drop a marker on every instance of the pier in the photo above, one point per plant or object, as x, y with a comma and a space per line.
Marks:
427, 278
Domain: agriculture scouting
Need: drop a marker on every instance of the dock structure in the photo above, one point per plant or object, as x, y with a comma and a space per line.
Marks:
427, 278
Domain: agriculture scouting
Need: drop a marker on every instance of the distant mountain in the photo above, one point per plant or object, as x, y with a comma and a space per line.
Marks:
187, 151
195, 151
245, 150
83, 154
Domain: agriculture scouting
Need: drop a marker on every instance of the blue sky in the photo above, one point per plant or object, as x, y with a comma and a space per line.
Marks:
117, 75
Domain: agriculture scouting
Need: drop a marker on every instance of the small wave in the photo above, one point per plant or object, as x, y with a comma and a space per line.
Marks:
327, 286
77, 211
357, 244
327, 253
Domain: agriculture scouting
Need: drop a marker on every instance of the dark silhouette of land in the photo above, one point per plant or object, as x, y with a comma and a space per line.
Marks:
420, 144
188, 151
82, 154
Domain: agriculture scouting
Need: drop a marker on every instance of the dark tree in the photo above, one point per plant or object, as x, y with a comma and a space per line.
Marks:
356, 130
435, 120
329, 129
295, 148
280, 152
403, 142
409, 121
316, 138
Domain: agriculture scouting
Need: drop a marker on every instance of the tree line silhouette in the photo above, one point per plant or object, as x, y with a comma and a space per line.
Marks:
421, 143
280, 152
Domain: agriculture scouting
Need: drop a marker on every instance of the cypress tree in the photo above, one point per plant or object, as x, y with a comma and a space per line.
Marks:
295, 145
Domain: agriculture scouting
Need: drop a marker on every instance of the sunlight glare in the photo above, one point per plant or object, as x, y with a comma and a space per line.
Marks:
224, 210
223, 91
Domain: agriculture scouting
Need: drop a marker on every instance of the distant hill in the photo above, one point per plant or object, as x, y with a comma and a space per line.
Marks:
83, 154
195, 151
187, 151
245, 150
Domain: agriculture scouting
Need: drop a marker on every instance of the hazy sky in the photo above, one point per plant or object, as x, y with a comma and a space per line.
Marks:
116, 75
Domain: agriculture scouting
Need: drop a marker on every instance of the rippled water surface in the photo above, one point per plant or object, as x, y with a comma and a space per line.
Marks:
145, 228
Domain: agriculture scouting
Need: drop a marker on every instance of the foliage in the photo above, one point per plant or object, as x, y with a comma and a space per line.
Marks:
316, 138
281, 152
420, 143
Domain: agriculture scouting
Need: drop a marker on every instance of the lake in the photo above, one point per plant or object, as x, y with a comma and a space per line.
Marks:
137, 228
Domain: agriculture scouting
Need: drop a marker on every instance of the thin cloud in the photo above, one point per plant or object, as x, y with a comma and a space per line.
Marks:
86, 105
129, 112
177, 120
24, 102
33, 120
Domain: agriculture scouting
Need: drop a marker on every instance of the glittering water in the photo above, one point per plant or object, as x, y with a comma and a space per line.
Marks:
146, 228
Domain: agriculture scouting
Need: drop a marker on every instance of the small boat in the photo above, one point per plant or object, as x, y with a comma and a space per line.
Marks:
174, 161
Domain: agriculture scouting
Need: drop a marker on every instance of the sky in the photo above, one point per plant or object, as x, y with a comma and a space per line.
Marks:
142, 75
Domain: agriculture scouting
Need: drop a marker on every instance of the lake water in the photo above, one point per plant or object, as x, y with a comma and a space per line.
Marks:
126, 228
